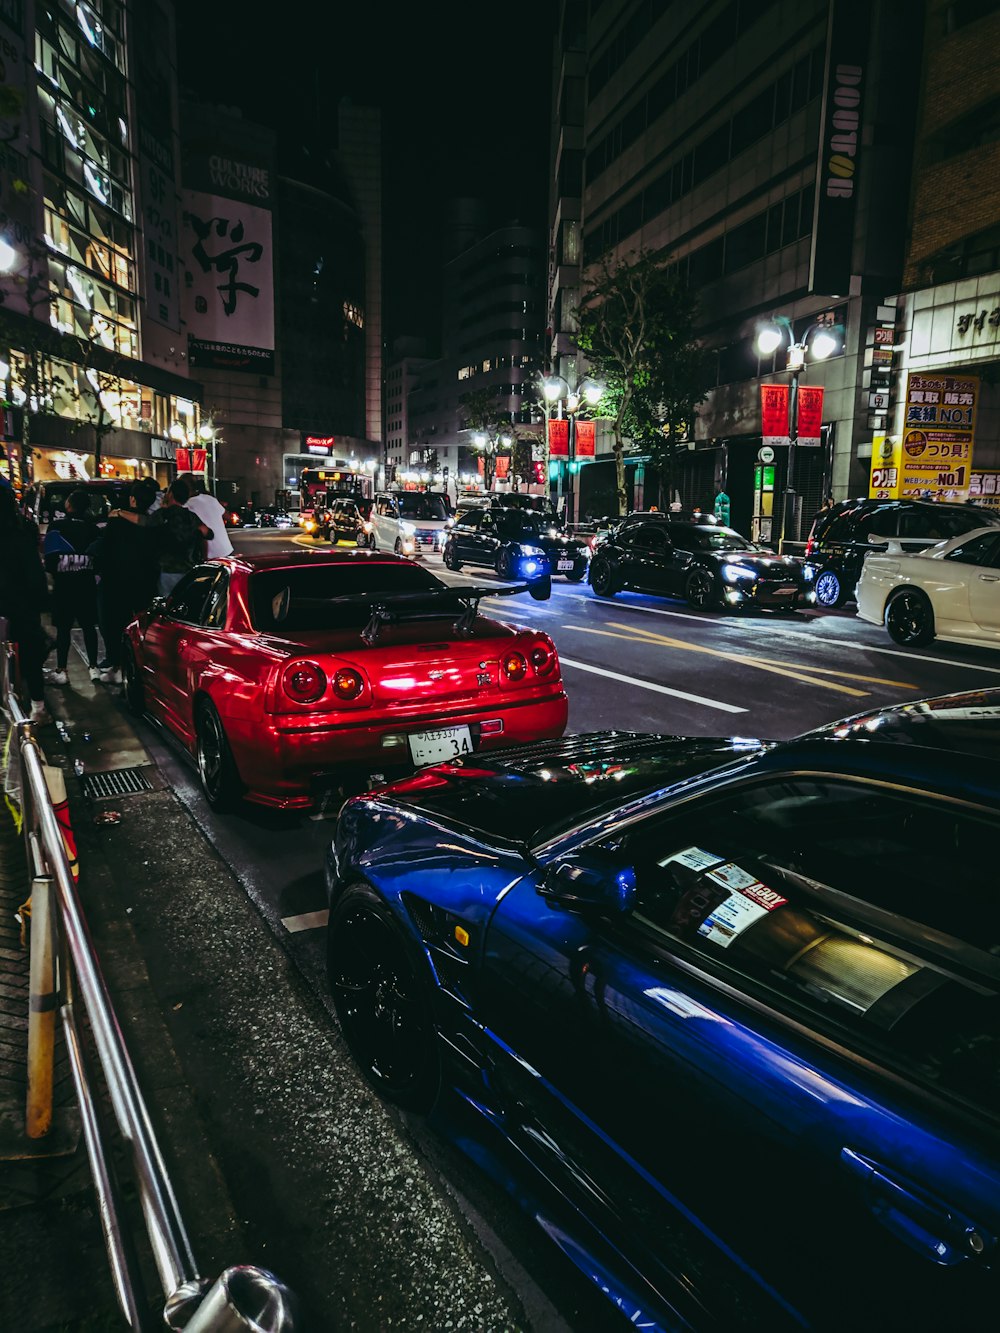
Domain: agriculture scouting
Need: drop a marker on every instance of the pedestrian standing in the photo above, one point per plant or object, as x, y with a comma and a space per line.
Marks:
127, 574
23, 594
179, 536
212, 513
74, 584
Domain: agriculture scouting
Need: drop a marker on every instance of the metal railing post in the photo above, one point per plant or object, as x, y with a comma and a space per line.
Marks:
245, 1300
42, 1001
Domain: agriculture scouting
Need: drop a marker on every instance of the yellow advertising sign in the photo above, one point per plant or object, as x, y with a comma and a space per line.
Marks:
985, 489
938, 434
885, 479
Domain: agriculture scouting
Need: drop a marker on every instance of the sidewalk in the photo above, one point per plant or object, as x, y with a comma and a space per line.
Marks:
279, 1153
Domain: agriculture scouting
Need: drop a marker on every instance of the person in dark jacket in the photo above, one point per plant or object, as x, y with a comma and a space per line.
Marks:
127, 573
23, 594
178, 533
74, 585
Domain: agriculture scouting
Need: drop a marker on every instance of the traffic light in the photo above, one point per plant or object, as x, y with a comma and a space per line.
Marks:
539, 472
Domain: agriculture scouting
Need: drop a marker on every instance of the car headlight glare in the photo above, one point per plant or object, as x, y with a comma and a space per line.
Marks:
808, 573
532, 550
737, 573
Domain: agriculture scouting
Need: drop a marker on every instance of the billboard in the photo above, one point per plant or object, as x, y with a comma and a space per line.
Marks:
938, 434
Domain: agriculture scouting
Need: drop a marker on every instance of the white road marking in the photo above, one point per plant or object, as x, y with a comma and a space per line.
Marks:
651, 685
307, 921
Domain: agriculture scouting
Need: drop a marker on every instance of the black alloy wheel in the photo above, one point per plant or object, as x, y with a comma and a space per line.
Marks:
451, 560
576, 575
398, 548
220, 781
909, 618
135, 695
602, 579
829, 589
382, 1000
505, 566
699, 588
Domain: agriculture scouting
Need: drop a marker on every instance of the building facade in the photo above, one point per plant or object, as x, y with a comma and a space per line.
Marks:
764, 150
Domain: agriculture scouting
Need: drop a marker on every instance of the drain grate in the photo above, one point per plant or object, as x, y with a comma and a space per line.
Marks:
119, 782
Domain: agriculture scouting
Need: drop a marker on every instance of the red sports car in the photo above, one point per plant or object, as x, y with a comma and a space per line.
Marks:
281, 672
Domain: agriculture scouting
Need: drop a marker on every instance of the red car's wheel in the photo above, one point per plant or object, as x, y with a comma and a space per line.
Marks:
219, 779
135, 696
382, 1000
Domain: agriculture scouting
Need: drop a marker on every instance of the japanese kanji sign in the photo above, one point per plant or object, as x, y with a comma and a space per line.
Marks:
586, 435
984, 489
884, 482
939, 428
774, 413
559, 437
810, 414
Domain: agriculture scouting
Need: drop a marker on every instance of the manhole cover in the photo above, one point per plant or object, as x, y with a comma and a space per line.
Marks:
118, 782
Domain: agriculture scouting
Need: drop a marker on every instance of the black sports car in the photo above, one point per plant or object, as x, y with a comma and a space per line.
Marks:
506, 539
707, 564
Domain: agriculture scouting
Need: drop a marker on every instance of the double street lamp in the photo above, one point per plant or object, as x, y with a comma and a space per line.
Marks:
820, 341
568, 403
208, 435
491, 442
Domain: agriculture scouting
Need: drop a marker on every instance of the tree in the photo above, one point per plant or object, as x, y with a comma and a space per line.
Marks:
521, 457
484, 417
637, 333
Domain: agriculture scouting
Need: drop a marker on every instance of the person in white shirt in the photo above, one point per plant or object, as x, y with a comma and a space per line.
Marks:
212, 514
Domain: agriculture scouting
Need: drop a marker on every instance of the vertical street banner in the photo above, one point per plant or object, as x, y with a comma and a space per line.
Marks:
586, 439
885, 478
157, 169
831, 258
227, 258
192, 460
559, 437
938, 435
809, 416
774, 414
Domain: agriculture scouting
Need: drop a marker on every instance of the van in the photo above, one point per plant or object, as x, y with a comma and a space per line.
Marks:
49, 502
408, 522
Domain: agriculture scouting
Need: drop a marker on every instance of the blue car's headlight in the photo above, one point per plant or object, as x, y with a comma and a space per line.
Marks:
532, 550
737, 573
530, 566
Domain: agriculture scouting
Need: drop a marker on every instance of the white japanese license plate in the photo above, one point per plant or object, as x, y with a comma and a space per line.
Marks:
564, 564
785, 590
434, 747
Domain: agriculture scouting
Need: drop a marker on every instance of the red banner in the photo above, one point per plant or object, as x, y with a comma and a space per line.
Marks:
502, 467
559, 437
774, 413
810, 414
586, 438
192, 460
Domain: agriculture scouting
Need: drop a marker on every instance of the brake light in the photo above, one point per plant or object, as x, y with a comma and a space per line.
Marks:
542, 658
304, 682
514, 666
347, 684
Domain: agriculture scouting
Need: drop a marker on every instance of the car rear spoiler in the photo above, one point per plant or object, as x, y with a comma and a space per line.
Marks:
392, 608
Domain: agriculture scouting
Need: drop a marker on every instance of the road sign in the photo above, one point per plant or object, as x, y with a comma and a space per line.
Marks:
765, 454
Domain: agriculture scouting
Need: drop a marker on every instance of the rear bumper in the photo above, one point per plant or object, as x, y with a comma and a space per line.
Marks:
283, 767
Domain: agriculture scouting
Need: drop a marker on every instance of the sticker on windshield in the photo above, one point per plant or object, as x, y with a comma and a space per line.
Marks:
740, 910
695, 858
732, 876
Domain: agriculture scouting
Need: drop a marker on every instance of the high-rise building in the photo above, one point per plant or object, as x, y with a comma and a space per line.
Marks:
763, 149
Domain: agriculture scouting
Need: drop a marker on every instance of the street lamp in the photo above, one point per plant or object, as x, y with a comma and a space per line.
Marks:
207, 433
568, 402
491, 442
826, 339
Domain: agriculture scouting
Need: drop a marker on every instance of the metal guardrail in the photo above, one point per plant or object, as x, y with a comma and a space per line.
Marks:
65, 971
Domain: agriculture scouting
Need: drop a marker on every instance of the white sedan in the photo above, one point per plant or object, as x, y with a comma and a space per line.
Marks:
951, 591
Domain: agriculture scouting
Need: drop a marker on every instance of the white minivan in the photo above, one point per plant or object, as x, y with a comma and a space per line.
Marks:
408, 522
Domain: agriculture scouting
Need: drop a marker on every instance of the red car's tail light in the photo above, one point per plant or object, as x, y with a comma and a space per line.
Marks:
543, 659
347, 684
514, 666
304, 682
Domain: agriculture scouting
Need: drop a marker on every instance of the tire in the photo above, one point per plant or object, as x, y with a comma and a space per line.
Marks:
398, 548
602, 579
135, 695
909, 618
383, 1000
576, 576
699, 588
504, 566
451, 560
371, 542
829, 589
540, 590
360, 538
220, 781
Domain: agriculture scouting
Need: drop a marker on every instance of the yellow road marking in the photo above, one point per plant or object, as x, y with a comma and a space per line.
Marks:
643, 637
770, 661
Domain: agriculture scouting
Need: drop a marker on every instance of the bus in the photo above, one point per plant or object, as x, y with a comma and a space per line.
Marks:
319, 487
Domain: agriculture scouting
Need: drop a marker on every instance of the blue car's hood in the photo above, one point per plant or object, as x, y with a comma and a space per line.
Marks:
525, 796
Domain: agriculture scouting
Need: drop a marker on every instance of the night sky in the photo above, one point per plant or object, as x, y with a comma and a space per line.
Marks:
464, 94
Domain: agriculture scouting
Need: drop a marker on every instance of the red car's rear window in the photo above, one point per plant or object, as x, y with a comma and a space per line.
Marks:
297, 600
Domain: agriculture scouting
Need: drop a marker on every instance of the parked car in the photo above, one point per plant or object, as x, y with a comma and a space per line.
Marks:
724, 1017
707, 564
279, 673
517, 543
408, 522
843, 536
951, 591
49, 499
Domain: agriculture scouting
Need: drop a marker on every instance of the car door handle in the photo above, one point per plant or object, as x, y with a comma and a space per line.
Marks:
926, 1224
989, 578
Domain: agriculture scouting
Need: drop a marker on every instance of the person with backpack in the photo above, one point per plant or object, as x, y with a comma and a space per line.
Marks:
74, 584
127, 573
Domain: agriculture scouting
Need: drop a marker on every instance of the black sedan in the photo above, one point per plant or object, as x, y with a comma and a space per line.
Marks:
509, 539
706, 564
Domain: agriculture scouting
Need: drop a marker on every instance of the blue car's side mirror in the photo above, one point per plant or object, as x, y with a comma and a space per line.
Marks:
590, 878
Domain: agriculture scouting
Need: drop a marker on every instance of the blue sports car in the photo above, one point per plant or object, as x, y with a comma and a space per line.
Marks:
724, 1015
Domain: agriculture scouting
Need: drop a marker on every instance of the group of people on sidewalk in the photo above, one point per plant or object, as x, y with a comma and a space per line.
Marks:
101, 576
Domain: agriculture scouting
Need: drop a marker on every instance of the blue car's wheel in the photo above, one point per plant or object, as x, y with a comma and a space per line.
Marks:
382, 1001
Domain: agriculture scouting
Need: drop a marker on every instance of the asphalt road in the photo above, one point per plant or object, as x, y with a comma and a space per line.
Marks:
636, 663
